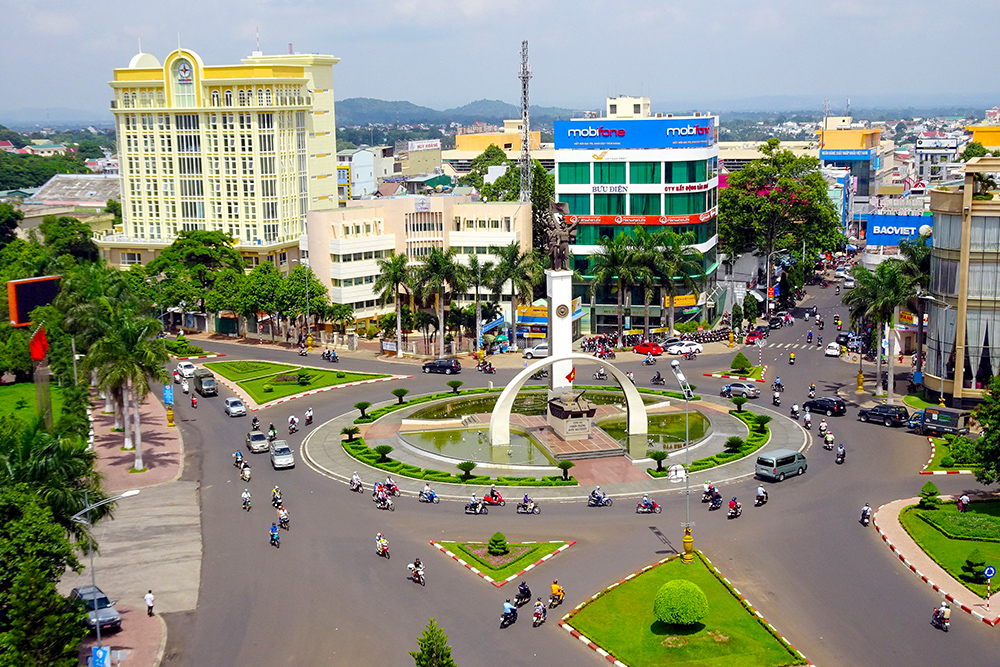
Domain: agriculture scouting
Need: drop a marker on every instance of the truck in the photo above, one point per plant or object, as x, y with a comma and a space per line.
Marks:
941, 421
204, 382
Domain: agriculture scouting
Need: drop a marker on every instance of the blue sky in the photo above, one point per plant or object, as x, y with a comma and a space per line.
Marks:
443, 53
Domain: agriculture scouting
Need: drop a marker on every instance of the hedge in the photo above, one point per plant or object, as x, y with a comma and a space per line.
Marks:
362, 452
753, 442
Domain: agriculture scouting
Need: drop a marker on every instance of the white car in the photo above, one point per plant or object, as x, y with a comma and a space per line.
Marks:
849, 283
684, 347
281, 455
840, 272
541, 350
832, 350
185, 369
235, 408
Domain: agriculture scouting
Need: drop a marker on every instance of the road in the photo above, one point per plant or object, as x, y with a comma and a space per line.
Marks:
825, 582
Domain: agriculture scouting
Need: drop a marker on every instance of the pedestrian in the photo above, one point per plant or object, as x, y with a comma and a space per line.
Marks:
148, 597
963, 503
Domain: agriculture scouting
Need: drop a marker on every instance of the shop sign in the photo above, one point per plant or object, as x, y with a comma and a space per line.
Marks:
692, 219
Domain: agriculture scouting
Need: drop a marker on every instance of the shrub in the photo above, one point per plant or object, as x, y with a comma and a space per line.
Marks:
734, 443
268, 388
974, 566
400, 393
947, 462
341, 375
658, 455
762, 421
350, 432
565, 466
740, 362
739, 401
963, 450
680, 602
928, 496
466, 467
302, 377
454, 384
497, 545
383, 452
362, 405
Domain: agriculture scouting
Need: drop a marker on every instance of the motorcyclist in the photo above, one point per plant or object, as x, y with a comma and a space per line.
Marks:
272, 433
309, 415
761, 493
274, 530
649, 358
246, 497
795, 409
840, 450
282, 516
791, 357
866, 512
540, 608
819, 340
523, 590
428, 492
381, 543
657, 378
418, 568
646, 501
493, 491
355, 479
510, 610
597, 495
823, 426
809, 336
557, 590
528, 502
630, 376
776, 399
777, 384
474, 502
389, 484
942, 614
601, 373
829, 439
733, 505
708, 488
255, 423
807, 418
238, 455
716, 497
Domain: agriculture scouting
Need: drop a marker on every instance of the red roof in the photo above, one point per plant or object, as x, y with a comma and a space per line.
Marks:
6, 144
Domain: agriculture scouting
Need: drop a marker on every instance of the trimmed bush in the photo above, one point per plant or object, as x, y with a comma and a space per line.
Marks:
350, 432
740, 362
762, 421
680, 602
928, 496
400, 393
565, 466
302, 377
947, 462
341, 375
739, 401
454, 384
658, 455
383, 452
497, 545
268, 388
362, 405
962, 450
974, 566
734, 443
467, 467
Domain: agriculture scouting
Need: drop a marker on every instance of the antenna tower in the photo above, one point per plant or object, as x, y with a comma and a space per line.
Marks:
525, 193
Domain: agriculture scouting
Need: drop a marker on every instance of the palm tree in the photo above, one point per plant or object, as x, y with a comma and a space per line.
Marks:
342, 313
917, 265
479, 275
646, 249
518, 268
680, 267
614, 267
440, 272
393, 275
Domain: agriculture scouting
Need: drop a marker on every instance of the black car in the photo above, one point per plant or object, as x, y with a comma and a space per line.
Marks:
843, 338
98, 607
890, 415
763, 331
446, 366
828, 405
775, 323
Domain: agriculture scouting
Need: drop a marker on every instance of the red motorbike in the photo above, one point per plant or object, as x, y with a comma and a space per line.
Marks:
642, 509
494, 500
391, 489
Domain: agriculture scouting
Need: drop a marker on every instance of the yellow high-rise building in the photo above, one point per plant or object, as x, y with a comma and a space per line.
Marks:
243, 149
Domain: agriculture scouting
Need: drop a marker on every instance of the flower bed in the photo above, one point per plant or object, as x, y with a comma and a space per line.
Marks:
754, 441
480, 552
502, 567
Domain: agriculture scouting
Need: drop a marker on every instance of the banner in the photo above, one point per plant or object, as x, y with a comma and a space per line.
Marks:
693, 219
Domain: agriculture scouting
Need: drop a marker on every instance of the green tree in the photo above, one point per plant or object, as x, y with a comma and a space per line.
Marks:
89, 150
734, 443
645, 249
751, 309
301, 293
680, 602
565, 466
520, 270
260, 294
114, 207
740, 362
15, 356
466, 467
342, 314
394, 274
68, 236
614, 267
45, 627
739, 402
441, 272
228, 294
351, 432
478, 275
433, 649
987, 445
680, 266
454, 384
974, 149
497, 545
737, 316
928, 496
9, 220
508, 188
197, 256
362, 406
400, 393
917, 267
491, 157
657, 455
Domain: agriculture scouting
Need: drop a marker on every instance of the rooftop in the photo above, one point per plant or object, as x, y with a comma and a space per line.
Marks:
78, 189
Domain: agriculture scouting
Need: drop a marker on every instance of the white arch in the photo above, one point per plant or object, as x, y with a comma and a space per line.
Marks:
500, 420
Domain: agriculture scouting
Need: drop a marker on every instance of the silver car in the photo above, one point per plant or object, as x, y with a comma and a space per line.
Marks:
257, 442
281, 455
185, 369
100, 610
235, 408
541, 350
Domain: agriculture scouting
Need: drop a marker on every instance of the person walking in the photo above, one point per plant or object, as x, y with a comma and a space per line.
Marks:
963, 503
148, 597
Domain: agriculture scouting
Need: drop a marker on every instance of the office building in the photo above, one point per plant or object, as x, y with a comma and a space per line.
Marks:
362, 174
507, 138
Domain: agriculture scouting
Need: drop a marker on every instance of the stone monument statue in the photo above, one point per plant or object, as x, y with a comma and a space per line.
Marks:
559, 235
570, 415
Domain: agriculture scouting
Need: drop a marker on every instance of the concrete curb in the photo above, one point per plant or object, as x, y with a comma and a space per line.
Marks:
925, 471
253, 406
512, 577
738, 377
203, 356
947, 596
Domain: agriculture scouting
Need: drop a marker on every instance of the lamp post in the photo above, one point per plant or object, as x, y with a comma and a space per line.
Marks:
947, 307
688, 556
85, 520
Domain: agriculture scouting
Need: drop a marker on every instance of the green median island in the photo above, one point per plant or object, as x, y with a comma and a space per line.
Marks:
266, 381
498, 558
713, 627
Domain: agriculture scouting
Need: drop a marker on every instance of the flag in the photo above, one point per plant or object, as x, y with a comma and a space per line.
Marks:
572, 374
39, 345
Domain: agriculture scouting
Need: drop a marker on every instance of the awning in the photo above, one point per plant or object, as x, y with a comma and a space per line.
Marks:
757, 295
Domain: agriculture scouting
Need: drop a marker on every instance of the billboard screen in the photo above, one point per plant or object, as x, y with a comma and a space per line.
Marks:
424, 145
889, 229
23, 296
641, 133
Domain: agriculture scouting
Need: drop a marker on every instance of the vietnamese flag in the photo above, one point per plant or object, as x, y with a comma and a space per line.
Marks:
572, 374
39, 345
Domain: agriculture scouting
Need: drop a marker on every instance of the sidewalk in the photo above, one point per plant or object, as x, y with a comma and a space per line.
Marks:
161, 449
887, 524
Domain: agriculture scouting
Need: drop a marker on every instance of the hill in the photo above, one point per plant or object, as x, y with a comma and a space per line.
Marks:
365, 110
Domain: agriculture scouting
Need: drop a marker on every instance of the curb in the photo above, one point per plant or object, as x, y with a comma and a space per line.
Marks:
737, 377
925, 471
253, 406
947, 596
203, 356
512, 577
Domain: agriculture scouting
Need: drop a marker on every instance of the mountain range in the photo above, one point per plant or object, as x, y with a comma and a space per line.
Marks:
365, 110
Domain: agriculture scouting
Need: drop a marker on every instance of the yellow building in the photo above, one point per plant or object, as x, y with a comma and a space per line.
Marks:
987, 135
243, 149
509, 139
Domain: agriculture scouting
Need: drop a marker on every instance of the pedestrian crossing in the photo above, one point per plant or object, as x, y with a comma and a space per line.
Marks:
796, 346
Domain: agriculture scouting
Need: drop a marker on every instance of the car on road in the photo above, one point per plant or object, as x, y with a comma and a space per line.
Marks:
446, 366
755, 336
775, 323
234, 407
281, 455
650, 347
840, 272
256, 441
843, 338
916, 419
832, 350
100, 610
185, 369
779, 463
849, 283
684, 347
828, 405
540, 350
890, 415
744, 389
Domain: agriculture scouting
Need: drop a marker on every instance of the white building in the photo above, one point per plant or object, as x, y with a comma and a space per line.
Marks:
362, 163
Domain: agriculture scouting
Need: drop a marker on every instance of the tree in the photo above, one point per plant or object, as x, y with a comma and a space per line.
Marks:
917, 267
301, 293
928, 496
89, 150
987, 445
565, 467
493, 156
400, 393
343, 314
739, 402
680, 267
15, 356
260, 293
433, 648
645, 248
737, 316
974, 149
518, 268
751, 309
68, 236
228, 294
497, 546
198, 256
350, 432
478, 275
740, 362
680, 602
657, 455
454, 384
614, 267
466, 467
362, 406
441, 272
45, 628
393, 275
762, 421
114, 207
9, 220
508, 188
734, 443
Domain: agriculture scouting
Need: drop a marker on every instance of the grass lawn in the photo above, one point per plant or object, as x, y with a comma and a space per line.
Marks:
523, 556
12, 394
948, 552
236, 371
671, 426
621, 622
942, 450
317, 379
754, 372
917, 401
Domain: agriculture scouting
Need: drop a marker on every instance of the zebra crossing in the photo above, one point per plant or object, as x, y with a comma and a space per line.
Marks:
796, 346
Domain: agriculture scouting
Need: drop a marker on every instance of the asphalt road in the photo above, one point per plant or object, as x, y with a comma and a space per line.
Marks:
825, 582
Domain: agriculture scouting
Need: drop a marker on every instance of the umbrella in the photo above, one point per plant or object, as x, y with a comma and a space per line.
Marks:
501, 338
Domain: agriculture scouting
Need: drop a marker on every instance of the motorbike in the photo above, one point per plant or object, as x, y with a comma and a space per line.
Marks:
821, 324
428, 497
476, 509
255, 424
726, 392
600, 376
794, 413
791, 361
357, 486
494, 500
776, 400
706, 496
657, 381
522, 597
840, 457
939, 622
276, 501
489, 370
283, 523
735, 512
309, 420
554, 601
383, 549
760, 500
603, 502
716, 503
522, 508
385, 504
642, 509
690, 356
292, 428
194, 402
649, 362
777, 387
828, 442
303, 352
246, 504
391, 489
272, 435
245, 473
812, 393
417, 574
538, 618
508, 618
823, 428
275, 540
238, 460
540, 375
807, 423
866, 518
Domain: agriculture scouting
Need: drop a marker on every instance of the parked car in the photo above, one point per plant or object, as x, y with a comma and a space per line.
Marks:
185, 369
256, 441
540, 350
446, 366
849, 283
775, 323
828, 405
651, 348
744, 389
843, 338
764, 330
832, 350
235, 408
100, 610
890, 415
684, 347
839, 272
281, 455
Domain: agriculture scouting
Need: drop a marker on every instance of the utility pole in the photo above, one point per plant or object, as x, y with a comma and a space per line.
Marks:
524, 196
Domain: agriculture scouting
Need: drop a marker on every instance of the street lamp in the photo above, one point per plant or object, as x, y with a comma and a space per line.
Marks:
85, 520
688, 555
309, 338
947, 307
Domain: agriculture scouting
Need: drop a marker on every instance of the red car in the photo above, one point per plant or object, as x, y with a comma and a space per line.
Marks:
648, 348
754, 336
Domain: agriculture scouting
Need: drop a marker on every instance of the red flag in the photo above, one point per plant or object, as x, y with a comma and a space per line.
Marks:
572, 374
39, 345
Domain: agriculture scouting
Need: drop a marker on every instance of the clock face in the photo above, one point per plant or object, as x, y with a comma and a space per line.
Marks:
184, 70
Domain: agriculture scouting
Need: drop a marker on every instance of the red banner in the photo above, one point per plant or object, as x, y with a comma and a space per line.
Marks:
39, 345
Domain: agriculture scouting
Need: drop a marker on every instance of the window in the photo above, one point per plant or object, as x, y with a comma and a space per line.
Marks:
578, 204
228, 97
644, 172
612, 108
131, 258
610, 204
215, 98
609, 173
645, 204
636, 109
574, 173
283, 258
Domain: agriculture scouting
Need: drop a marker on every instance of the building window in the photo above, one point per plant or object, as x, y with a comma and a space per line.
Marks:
644, 172
648, 204
612, 108
684, 204
282, 258
574, 173
695, 171
129, 258
609, 173
610, 204
228, 97
215, 98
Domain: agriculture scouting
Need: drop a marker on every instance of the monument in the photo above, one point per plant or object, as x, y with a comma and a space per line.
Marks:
570, 415
559, 292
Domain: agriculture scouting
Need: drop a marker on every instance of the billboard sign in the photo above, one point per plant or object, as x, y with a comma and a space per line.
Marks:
889, 229
951, 144
608, 133
692, 219
847, 154
25, 295
424, 145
